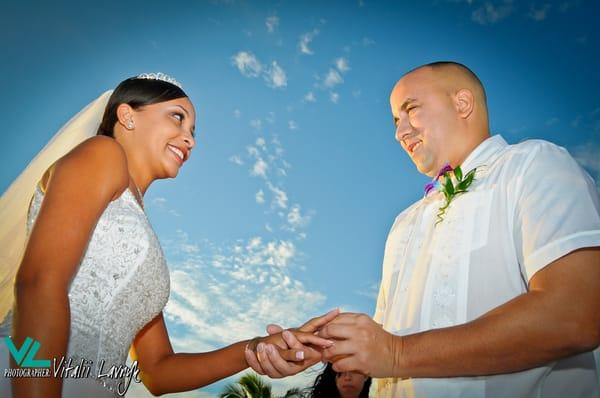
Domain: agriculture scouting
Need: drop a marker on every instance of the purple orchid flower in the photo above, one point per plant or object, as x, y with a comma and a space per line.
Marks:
444, 170
435, 184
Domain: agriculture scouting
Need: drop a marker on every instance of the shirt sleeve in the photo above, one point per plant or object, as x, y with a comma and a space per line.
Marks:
380, 307
557, 209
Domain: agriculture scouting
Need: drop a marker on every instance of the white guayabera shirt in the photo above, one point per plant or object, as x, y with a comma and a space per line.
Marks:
529, 204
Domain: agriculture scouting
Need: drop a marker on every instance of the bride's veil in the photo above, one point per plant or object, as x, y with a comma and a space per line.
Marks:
14, 203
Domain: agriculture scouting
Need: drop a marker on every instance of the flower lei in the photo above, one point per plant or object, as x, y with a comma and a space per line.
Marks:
454, 184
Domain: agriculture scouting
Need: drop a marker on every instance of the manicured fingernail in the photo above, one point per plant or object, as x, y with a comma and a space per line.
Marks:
300, 355
261, 347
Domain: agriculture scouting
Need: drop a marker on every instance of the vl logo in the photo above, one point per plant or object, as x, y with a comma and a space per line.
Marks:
25, 355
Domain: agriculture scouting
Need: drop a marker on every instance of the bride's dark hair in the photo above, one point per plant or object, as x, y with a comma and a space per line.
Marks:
136, 93
325, 386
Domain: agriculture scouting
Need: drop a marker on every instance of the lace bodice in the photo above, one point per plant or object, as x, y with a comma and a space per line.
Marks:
121, 284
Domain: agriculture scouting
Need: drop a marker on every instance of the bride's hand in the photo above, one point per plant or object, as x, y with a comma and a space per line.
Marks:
287, 352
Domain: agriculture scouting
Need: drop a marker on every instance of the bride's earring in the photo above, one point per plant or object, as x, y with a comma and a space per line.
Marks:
129, 124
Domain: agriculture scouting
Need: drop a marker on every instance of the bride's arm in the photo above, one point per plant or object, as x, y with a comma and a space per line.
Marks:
81, 185
163, 371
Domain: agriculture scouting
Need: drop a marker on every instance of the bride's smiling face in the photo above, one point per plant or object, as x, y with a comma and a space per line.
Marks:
165, 135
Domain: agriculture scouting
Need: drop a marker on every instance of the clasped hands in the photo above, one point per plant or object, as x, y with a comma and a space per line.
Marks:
352, 342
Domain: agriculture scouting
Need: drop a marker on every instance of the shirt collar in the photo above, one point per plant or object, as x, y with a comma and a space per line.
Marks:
485, 153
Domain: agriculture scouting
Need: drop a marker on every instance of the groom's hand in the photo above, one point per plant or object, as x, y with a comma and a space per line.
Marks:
297, 350
361, 345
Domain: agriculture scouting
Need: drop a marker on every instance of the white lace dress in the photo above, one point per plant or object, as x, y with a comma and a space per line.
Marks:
122, 283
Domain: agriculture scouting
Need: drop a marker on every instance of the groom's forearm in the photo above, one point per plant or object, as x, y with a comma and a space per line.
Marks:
558, 317
188, 371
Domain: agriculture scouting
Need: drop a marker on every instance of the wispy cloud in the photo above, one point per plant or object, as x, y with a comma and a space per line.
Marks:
296, 219
280, 197
334, 97
218, 295
256, 124
489, 13
275, 76
260, 197
366, 41
332, 78
260, 168
371, 291
237, 160
342, 64
539, 14
250, 66
237, 113
272, 23
292, 125
247, 64
310, 97
305, 41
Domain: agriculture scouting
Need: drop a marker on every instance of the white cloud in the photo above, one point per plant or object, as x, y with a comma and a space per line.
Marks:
296, 219
275, 76
292, 125
237, 160
305, 40
256, 124
334, 97
272, 23
539, 14
237, 113
260, 197
260, 168
310, 97
261, 143
372, 291
247, 64
333, 78
367, 41
342, 64
159, 202
489, 13
280, 198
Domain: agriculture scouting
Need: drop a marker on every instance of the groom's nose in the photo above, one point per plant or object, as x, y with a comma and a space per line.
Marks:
403, 129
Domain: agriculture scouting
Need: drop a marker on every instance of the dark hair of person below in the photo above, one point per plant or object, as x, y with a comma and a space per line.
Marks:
325, 386
136, 93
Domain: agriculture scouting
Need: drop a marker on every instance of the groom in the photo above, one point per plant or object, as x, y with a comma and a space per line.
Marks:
491, 282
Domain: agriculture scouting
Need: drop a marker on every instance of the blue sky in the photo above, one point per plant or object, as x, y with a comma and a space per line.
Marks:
284, 207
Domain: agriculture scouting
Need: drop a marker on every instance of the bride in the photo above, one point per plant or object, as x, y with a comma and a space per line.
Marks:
87, 271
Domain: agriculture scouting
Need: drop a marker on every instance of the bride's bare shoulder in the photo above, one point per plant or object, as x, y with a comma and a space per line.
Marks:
99, 158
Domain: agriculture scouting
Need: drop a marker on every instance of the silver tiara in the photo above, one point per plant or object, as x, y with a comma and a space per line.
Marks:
160, 76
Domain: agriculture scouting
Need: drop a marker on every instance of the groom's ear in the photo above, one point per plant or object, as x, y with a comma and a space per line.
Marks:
464, 102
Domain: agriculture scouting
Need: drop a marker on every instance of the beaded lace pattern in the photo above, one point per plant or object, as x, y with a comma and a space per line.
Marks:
121, 284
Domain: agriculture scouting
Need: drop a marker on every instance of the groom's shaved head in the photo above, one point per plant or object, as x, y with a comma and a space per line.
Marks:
455, 76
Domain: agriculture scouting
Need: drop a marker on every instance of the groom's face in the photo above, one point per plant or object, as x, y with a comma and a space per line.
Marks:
424, 116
